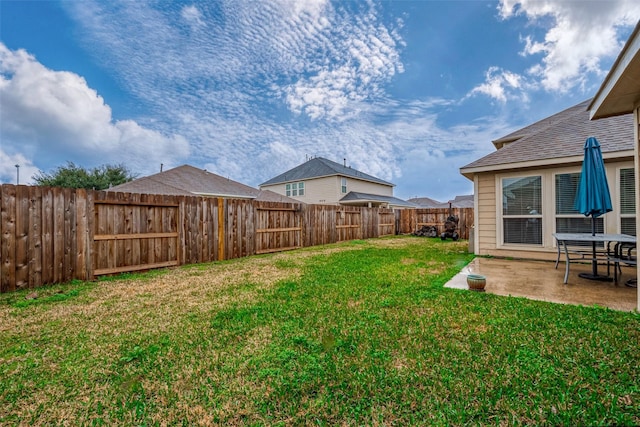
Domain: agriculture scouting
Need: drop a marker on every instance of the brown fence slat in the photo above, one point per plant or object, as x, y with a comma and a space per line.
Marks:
51, 235
8, 239
22, 237
35, 237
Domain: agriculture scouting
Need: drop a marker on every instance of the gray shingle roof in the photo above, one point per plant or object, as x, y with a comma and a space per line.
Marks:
321, 167
560, 135
426, 202
354, 196
187, 180
465, 201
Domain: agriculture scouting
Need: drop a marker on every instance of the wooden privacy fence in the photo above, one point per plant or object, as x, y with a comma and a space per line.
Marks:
413, 219
51, 235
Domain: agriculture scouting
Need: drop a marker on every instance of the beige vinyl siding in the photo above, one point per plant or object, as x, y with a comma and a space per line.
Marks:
488, 228
326, 190
486, 204
367, 187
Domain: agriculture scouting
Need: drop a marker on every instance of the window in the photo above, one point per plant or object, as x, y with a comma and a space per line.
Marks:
521, 210
568, 219
344, 185
294, 189
627, 202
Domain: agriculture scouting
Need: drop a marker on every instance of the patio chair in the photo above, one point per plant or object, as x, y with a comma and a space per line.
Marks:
623, 253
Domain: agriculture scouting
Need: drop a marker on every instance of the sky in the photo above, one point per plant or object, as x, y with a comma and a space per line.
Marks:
407, 91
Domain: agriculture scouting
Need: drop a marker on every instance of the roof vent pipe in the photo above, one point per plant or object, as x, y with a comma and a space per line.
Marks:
345, 162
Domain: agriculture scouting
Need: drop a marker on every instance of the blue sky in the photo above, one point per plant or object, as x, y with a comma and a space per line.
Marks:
408, 91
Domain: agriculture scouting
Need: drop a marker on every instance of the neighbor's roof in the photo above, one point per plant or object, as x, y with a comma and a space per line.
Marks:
187, 180
426, 202
620, 90
465, 201
558, 139
354, 196
319, 167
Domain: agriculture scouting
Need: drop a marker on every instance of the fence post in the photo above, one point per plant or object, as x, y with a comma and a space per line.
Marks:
221, 229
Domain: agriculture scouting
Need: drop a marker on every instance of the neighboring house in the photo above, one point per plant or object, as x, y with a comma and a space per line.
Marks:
187, 180
426, 202
525, 190
322, 181
465, 201
618, 95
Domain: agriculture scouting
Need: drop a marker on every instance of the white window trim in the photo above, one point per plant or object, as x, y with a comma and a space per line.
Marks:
618, 191
500, 244
292, 189
612, 223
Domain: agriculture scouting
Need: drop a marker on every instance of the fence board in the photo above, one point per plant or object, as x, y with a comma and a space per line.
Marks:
8, 250
47, 235
70, 233
123, 222
22, 236
437, 217
52, 235
277, 226
35, 237
58, 235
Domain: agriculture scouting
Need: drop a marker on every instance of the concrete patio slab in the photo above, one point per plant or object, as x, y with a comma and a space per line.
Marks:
539, 280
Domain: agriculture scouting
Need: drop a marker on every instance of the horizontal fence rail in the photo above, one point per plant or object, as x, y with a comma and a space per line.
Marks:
53, 235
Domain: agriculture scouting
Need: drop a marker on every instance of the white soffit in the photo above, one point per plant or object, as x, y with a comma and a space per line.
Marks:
620, 91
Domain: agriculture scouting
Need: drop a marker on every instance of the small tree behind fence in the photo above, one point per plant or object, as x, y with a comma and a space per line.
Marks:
52, 235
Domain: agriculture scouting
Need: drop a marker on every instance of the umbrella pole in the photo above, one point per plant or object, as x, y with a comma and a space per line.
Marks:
594, 262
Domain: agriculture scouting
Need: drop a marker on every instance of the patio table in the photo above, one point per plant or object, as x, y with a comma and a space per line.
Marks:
565, 239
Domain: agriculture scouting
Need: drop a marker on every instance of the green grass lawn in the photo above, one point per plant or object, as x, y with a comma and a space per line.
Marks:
359, 333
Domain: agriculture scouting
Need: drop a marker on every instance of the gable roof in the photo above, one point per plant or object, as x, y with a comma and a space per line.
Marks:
187, 180
319, 167
558, 139
356, 197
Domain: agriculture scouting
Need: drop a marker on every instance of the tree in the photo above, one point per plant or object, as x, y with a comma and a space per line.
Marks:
73, 176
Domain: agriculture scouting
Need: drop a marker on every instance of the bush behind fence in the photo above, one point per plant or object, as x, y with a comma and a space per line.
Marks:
52, 235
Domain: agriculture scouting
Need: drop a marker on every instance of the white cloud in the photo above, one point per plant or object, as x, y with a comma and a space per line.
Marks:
192, 16
578, 36
316, 58
499, 84
46, 114
361, 58
9, 173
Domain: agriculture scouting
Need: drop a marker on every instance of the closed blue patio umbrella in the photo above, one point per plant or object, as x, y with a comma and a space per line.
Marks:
593, 198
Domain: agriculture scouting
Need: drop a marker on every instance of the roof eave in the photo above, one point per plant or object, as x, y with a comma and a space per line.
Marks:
469, 172
620, 91
389, 184
226, 196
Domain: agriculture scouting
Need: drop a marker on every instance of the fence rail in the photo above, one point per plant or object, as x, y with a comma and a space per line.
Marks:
50, 235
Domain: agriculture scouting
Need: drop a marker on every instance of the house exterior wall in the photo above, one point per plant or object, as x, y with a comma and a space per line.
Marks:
489, 222
327, 190
636, 162
365, 187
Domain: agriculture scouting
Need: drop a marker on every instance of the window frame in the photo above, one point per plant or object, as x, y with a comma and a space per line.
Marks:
619, 192
294, 189
539, 217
